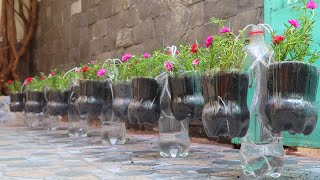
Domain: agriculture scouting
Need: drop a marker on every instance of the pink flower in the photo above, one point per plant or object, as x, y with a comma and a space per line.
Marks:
77, 70
294, 23
101, 72
146, 55
311, 4
168, 65
225, 29
92, 62
52, 73
126, 57
195, 62
208, 41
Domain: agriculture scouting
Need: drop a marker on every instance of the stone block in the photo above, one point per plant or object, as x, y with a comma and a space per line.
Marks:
148, 46
243, 19
84, 19
92, 15
149, 9
259, 3
76, 7
142, 31
220, 9
74, 54
66, 13
109, 43
84, 35
189, 2
119, 5
245, 5
197, 14
57, 46
75, 37
99, 29
124, 38
129, 17
96, 46
84, 52
105, 9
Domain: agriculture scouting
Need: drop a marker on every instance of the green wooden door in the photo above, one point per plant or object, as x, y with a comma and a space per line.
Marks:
277, 12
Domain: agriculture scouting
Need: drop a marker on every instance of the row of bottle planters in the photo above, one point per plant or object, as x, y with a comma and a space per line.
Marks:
220, 100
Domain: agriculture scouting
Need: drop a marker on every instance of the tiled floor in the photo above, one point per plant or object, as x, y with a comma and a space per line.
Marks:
39, 154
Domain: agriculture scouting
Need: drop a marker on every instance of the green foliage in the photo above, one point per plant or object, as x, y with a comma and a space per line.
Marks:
90, 71
225, 53
14, 86
57, 81
298, 41
36, 84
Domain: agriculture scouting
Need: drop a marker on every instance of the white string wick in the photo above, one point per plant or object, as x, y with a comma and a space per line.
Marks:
69, 71
225, 107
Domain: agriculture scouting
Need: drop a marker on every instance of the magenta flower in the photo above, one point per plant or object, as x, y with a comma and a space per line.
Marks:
209, 41
311, 4
225, 29
126, 57
101, 72
92, 62
146, 55
168, 65
195, 62
294, 23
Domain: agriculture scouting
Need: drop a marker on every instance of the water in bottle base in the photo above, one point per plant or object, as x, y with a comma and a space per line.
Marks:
113, 133
113, 140
77, 133
264, 160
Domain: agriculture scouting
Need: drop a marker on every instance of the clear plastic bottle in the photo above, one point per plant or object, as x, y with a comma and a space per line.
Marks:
174, 140
261, 151
113, 132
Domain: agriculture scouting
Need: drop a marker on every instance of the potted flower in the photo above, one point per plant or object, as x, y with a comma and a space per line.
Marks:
224, 85
185, 83
16, 96
35, 101
144, 106
93, 89
57, 95
292, 80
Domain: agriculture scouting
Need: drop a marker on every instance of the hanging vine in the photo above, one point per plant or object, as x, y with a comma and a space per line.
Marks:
10, 53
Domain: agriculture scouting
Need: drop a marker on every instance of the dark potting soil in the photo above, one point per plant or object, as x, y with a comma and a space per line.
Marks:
144, 106
57, 102
121, 99
92, 96
291, 97
34, 102
186, 97
225, 112
16, 102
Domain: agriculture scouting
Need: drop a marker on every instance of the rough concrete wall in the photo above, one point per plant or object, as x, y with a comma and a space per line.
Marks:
74, 31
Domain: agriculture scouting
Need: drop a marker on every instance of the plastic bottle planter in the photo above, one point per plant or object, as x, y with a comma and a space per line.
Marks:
77, 127
225, 112
57, 103
121, 99
16, 102
291, 97
144, 106
33, 108
186, 97
34, 102
91, 97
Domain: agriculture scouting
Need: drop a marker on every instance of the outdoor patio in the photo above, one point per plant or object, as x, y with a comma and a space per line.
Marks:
38, 154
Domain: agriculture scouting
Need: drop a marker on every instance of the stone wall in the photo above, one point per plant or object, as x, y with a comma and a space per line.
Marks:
73, 31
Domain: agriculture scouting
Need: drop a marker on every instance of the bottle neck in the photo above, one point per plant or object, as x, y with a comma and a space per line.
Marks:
257, 36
